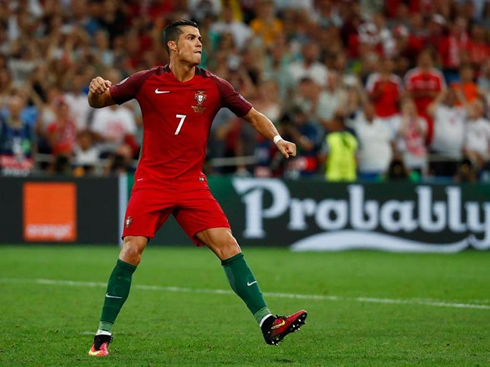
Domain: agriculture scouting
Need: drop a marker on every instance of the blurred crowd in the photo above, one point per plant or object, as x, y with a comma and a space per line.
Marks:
369, 90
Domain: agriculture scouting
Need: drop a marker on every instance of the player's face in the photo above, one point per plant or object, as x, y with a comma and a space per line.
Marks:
190, 45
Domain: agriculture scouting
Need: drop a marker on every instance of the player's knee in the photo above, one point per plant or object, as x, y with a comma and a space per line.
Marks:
228, 248
132, 249
131, 256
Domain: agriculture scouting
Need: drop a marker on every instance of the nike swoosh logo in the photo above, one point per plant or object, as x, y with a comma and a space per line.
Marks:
109, 296
278, 325
161, 91
249, 284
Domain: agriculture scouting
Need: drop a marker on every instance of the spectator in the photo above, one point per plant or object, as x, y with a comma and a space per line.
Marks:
478, 47
86, 155
465, 172
62, 132
449, 132
121, 161
303, 132
423, 84
484, 83
303, 5
276, 67
371, 7
268, 100
407, 45
338, 154
113, 126
477, 137
411, 131
266, 26
435, 32
385, 89
307, 96
23, 61
46, 116
479, 8
198, 9
309, 66
101, 48
397, 171
452, 47
376, 143
332, 98
385, 35
223, 124
16, 141
316, 52
239, 30
326, 14
5, 87
467, 84
76, 99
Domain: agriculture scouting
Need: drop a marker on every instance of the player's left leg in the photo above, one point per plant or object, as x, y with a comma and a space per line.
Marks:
241, 278
243, 282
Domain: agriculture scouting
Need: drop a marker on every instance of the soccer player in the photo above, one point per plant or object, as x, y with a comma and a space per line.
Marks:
179, 102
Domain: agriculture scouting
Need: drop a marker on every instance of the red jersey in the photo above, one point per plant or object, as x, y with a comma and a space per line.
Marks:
177, 118
416, 80
450, 49
478, 52
386, 104
63, 135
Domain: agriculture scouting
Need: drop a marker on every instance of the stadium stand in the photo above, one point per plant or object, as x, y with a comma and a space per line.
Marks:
409, 79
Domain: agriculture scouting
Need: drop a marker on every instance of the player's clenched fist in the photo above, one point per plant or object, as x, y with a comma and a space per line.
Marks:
99, 85
286, 148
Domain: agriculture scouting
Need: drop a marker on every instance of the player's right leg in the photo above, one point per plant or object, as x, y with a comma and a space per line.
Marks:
147, 211
117, 292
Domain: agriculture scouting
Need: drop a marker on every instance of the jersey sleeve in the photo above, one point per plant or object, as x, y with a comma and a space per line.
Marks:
231, 99
128, 88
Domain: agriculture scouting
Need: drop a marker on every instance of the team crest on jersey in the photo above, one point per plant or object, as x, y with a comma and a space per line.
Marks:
200, 97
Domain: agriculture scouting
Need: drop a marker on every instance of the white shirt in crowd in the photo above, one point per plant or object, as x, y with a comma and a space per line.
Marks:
89, 157
412, 143
477, 137
113, 124
329, 102
375, 139
449, 131
316, 72
240, 32
294, 4
79, 108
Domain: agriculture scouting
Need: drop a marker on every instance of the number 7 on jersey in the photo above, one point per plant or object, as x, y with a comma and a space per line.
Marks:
182, 118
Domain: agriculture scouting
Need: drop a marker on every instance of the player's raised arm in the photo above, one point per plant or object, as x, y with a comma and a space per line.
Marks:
266, 128
99, 95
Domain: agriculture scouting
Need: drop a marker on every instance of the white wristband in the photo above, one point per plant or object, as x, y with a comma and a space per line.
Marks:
277, 138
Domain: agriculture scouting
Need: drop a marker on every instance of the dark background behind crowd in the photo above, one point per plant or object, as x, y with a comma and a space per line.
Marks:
369, 90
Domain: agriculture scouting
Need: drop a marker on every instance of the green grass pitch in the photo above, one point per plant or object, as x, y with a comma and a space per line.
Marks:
365, 308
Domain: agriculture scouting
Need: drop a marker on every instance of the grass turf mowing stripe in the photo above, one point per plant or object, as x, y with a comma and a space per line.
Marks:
413, 301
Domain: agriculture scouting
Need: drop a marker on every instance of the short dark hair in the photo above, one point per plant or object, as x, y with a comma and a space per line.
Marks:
172, 31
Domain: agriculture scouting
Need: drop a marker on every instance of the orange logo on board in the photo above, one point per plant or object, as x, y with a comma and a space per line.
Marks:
50, 211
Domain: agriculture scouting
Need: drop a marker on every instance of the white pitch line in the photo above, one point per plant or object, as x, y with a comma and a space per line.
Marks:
317, 297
